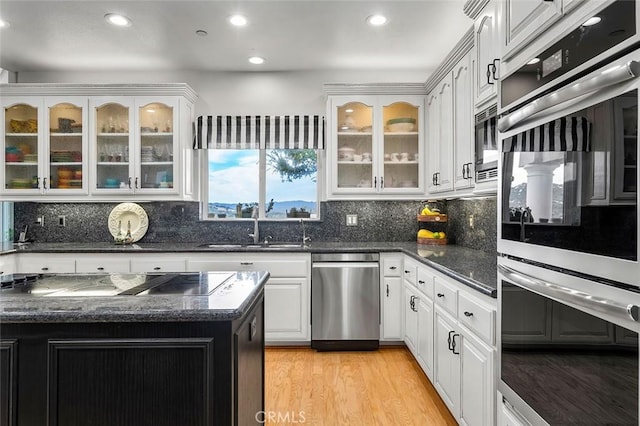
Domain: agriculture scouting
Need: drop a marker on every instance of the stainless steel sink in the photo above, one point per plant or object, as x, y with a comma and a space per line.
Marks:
260, 246
222, 245
287, 245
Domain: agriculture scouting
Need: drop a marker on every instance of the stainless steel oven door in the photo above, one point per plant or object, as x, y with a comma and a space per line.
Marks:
575, 207
568, 347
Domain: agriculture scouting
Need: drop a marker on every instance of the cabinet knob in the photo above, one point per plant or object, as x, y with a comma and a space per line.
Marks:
44, 268
156, 268
468, 314
100, 268
246, 263
407, 272
440, 294
420, 281
393, 268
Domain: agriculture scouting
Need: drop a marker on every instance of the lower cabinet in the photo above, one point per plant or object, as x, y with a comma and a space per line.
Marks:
452, 336
7, 264
287, 293
45, 262
392, 297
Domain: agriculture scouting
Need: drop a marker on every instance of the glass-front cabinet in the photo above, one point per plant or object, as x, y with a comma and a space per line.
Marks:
45, 142
135, 145
375, 145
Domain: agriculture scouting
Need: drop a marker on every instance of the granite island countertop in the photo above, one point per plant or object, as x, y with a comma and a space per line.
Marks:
474, 268
87, 297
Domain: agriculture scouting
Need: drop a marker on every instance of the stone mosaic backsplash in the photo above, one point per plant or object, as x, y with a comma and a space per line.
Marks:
179, 222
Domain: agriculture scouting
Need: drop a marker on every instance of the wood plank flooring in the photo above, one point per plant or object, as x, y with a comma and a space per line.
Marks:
384, 387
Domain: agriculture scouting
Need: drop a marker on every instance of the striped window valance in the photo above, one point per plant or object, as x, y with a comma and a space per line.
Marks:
569, 134
259, 132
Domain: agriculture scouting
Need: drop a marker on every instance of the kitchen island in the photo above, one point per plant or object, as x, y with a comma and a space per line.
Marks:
132, 349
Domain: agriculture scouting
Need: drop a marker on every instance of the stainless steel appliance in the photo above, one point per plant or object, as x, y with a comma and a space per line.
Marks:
569, 175
568, 347
345, 301
568, 232
486, 141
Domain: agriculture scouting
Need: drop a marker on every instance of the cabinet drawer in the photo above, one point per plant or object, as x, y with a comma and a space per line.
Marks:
392, 266
53, 263
410, 272
446, 296
157, 265
425, 282
102, 265
277, 268
478, 318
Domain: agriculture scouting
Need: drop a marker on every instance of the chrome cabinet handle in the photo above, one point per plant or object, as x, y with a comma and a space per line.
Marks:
555, 291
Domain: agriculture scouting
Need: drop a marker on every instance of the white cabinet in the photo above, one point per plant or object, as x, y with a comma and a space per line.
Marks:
463, 118
391, 296
447, 361
45, 262
506, 416
287, 293
158, 262
376, 144
440, 143
487, 55
410, 318
450, 131
114, 262
425, 335
89, 146
7, 264
525, 19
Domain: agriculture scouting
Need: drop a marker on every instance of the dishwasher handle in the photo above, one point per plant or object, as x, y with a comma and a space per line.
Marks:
345, 265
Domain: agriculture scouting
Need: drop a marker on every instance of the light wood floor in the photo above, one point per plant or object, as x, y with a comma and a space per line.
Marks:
384, 387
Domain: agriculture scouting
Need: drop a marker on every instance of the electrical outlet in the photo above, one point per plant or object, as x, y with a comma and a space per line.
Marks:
40, 220
352, 220
62, 220
471, 221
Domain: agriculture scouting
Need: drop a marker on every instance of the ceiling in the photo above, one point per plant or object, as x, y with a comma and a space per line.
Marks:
292, 35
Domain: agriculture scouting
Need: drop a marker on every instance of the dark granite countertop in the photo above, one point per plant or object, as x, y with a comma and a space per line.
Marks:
227, 302
474, 268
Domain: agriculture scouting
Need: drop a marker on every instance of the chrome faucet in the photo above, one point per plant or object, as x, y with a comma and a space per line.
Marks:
305, 239
526, 213
256, 231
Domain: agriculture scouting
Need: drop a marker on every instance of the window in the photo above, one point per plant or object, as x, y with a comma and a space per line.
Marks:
263, 163
6, 222
282, 183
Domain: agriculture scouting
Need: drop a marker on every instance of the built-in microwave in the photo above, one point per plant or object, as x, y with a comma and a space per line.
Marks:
486, 142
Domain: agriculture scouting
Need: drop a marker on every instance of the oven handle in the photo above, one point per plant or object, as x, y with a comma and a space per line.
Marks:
580, 298
605, 78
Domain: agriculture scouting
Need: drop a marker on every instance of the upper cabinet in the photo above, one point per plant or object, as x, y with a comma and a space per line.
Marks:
487, 56
375, 144
523, 20
136, 140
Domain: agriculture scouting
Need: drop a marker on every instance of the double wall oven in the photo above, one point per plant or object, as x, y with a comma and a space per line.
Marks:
569, 276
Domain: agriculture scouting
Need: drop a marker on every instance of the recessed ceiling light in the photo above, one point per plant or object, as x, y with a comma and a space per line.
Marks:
592, 21
256, 60
4, 24
377, 20
117, 20
238, 20
533, 61
201, 33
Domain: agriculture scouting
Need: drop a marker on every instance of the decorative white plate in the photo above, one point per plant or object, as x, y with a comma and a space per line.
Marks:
128, 214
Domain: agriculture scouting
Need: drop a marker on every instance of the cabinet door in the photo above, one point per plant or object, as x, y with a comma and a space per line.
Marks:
402, 144
157, 146
447, 362
425, 336
487, 54
463, 125
391, 308
23, 146
523, 20
410, 320
433, 138
286, 310
7, 264
248, 384
353, 154
441, 149
112, 145
477, 383
66, 142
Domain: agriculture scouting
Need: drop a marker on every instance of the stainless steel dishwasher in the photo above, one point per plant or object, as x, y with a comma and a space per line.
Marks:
345, 301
